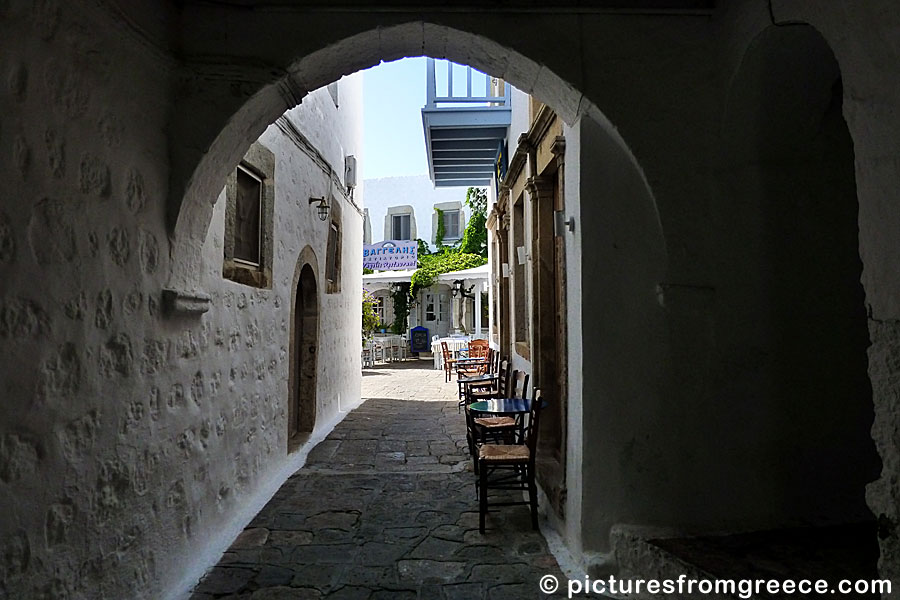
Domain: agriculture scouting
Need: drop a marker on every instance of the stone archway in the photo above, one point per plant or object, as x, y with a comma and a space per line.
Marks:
304, 346
197, 175
595, 140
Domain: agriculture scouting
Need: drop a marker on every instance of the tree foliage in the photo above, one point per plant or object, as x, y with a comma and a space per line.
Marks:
433, 265
369, 316
400, 296
474, 240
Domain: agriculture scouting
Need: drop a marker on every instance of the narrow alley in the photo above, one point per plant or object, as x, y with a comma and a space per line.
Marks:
385, 507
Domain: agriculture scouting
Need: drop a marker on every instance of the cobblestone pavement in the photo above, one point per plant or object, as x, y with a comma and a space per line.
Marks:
385, 508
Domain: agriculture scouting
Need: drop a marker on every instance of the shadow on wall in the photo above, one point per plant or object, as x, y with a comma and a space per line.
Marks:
791, 328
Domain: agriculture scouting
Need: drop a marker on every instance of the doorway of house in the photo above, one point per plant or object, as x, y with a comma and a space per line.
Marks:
305, 334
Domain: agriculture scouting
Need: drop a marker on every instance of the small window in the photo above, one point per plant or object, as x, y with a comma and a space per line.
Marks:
247, 218
400, 227
429, 307
443, 308
451, 224
379, 308
333, 250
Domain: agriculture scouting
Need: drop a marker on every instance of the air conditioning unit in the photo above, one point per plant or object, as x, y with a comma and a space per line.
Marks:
350, 172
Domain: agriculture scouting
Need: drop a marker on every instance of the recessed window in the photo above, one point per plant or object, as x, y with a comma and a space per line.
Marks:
451, 224
400, 227
333, 250
247, 218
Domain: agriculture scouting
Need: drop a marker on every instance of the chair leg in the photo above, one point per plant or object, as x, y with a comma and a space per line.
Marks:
532, 498
482, 496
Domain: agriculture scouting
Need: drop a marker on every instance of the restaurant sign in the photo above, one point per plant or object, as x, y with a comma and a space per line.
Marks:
390, 254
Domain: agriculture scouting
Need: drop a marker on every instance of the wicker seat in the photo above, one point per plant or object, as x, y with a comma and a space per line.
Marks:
504, 453
495, 421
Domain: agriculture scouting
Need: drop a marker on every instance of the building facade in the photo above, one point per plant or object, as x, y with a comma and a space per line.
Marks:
732, 308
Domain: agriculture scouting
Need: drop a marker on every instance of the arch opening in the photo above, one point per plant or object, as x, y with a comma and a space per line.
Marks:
791, 329
304, 347
591, 139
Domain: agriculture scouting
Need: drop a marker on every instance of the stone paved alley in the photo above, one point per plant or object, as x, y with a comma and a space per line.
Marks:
385, 508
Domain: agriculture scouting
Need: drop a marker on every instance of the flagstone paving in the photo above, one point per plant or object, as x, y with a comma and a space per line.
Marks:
385, 507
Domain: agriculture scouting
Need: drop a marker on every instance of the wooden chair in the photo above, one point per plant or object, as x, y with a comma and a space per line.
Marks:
503, 428
510, 467
493, 391
449, 361
468, 370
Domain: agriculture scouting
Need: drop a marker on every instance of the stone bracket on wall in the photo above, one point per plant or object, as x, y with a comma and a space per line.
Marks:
179, 302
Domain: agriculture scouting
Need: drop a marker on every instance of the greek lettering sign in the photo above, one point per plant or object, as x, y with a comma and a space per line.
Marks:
390, 254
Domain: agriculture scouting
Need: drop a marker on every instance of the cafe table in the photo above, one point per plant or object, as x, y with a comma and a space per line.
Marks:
504, 407
465, 382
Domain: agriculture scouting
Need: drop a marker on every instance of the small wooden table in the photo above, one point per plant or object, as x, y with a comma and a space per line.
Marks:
465, 382
502, 406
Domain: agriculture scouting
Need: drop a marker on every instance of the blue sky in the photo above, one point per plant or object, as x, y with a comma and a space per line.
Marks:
393, 96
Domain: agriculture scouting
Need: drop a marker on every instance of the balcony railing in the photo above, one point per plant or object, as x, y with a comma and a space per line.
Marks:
466, 119
490, 92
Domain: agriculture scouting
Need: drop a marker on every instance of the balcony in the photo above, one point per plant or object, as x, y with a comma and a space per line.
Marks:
465, 121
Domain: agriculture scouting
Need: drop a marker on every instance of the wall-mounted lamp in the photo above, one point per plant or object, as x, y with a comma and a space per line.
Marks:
459, 289
321, 208
560, 223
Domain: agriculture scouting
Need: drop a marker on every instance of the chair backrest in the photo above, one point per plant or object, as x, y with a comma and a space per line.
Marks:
445, 350
518, 384
503, 381
490, 365
533, 426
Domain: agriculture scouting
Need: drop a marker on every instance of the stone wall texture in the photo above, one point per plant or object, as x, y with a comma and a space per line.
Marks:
130, 437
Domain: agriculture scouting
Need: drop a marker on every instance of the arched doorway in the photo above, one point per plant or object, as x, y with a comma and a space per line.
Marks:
303, 356
790, 328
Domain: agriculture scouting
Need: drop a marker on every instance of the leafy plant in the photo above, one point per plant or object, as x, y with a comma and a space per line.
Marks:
400, 296
476, 199
433, 265
441, 229
475, 239
370, 319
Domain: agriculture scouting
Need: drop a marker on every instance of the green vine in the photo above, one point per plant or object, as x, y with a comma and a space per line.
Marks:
369, 316
443, 262
475, 239
400, 296
441, 231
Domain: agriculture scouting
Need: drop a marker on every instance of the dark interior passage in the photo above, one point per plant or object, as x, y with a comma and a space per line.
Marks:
791, 330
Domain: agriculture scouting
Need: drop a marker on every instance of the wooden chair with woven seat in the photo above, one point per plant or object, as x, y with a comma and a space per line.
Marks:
503, 428
449, 361
467, 369
474, 370
510, 467
493, 391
